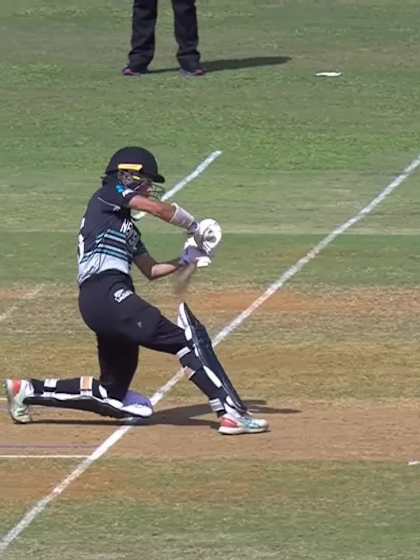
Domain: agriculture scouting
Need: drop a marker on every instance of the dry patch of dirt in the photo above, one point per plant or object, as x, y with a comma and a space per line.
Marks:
300, 431
355, 300
305, 430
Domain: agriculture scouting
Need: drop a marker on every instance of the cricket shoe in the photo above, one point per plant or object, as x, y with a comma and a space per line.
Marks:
192, 72
236, 424
137, 73
17, 390
136, 405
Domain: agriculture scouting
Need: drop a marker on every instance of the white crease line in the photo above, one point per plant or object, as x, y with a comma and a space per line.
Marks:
59, 489
43, 456
293, 270
31, 295
113, 438
177, 187
197, 171
120, 432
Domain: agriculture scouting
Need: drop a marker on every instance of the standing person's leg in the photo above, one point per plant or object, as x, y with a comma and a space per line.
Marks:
142, 35
186, 34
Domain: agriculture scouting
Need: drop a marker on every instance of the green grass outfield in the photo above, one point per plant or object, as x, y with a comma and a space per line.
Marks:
302, 511
301, 155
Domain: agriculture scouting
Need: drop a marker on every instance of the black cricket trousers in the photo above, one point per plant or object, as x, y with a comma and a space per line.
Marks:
143, 33
123, 322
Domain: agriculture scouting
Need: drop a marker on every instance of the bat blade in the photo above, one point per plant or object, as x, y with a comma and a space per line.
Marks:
182, 279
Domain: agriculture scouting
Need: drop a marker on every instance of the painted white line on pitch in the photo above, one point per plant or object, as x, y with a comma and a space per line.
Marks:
197, 171
293, 270
113, 438
177, 187
120, 432
31, 295
43, 456
59, 489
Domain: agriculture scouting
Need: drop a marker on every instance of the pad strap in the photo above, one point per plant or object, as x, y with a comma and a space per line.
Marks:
216, 405
86, 384
49, 386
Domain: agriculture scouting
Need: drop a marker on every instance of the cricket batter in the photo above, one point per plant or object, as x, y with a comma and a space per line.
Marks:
109, 242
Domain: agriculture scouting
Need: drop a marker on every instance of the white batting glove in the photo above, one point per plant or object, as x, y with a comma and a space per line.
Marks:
208, 235
194, 255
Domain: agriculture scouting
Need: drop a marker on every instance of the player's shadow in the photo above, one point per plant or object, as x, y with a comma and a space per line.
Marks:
235, 63
187, 415
176, 416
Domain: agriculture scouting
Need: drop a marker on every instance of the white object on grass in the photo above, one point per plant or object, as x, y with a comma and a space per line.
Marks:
116, 436
328, 74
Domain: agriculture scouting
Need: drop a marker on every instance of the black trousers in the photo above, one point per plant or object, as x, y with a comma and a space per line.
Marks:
123, 322
143, 33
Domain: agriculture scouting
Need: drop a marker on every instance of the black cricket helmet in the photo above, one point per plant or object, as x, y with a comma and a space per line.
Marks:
134, 159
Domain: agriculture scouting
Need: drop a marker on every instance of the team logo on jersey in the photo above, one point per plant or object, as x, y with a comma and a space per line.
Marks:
126, 226
121, 294
122, 190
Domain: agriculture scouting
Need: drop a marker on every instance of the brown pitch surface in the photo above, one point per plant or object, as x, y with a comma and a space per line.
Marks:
302, 428
300, 431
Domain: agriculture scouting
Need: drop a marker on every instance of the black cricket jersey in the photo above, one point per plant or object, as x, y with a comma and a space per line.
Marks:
108, 238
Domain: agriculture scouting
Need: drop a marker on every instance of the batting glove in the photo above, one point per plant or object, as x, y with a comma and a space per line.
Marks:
194, 255
208, 235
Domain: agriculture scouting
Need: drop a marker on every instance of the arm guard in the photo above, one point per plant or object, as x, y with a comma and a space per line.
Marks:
183, 219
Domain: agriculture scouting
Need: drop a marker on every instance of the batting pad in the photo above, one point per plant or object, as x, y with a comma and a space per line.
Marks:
86, 393
198, 338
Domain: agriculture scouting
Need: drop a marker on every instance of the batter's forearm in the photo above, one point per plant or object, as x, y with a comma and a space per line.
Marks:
183, 218
159, 270
156, 208
171, 213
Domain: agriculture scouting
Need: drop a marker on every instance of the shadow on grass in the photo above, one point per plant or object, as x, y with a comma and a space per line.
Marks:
234, 64
177, 416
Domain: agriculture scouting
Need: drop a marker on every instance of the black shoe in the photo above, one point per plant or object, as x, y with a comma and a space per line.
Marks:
193, 72
130, 73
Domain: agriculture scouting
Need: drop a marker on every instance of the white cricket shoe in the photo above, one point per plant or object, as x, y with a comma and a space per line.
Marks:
137, 405
235, 424
16, 391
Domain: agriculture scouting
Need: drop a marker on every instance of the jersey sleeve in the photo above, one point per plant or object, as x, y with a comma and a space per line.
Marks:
140, 248
117, 195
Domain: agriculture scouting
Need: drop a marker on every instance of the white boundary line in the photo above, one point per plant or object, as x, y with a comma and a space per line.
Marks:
275, 286
43, 456
116, 435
